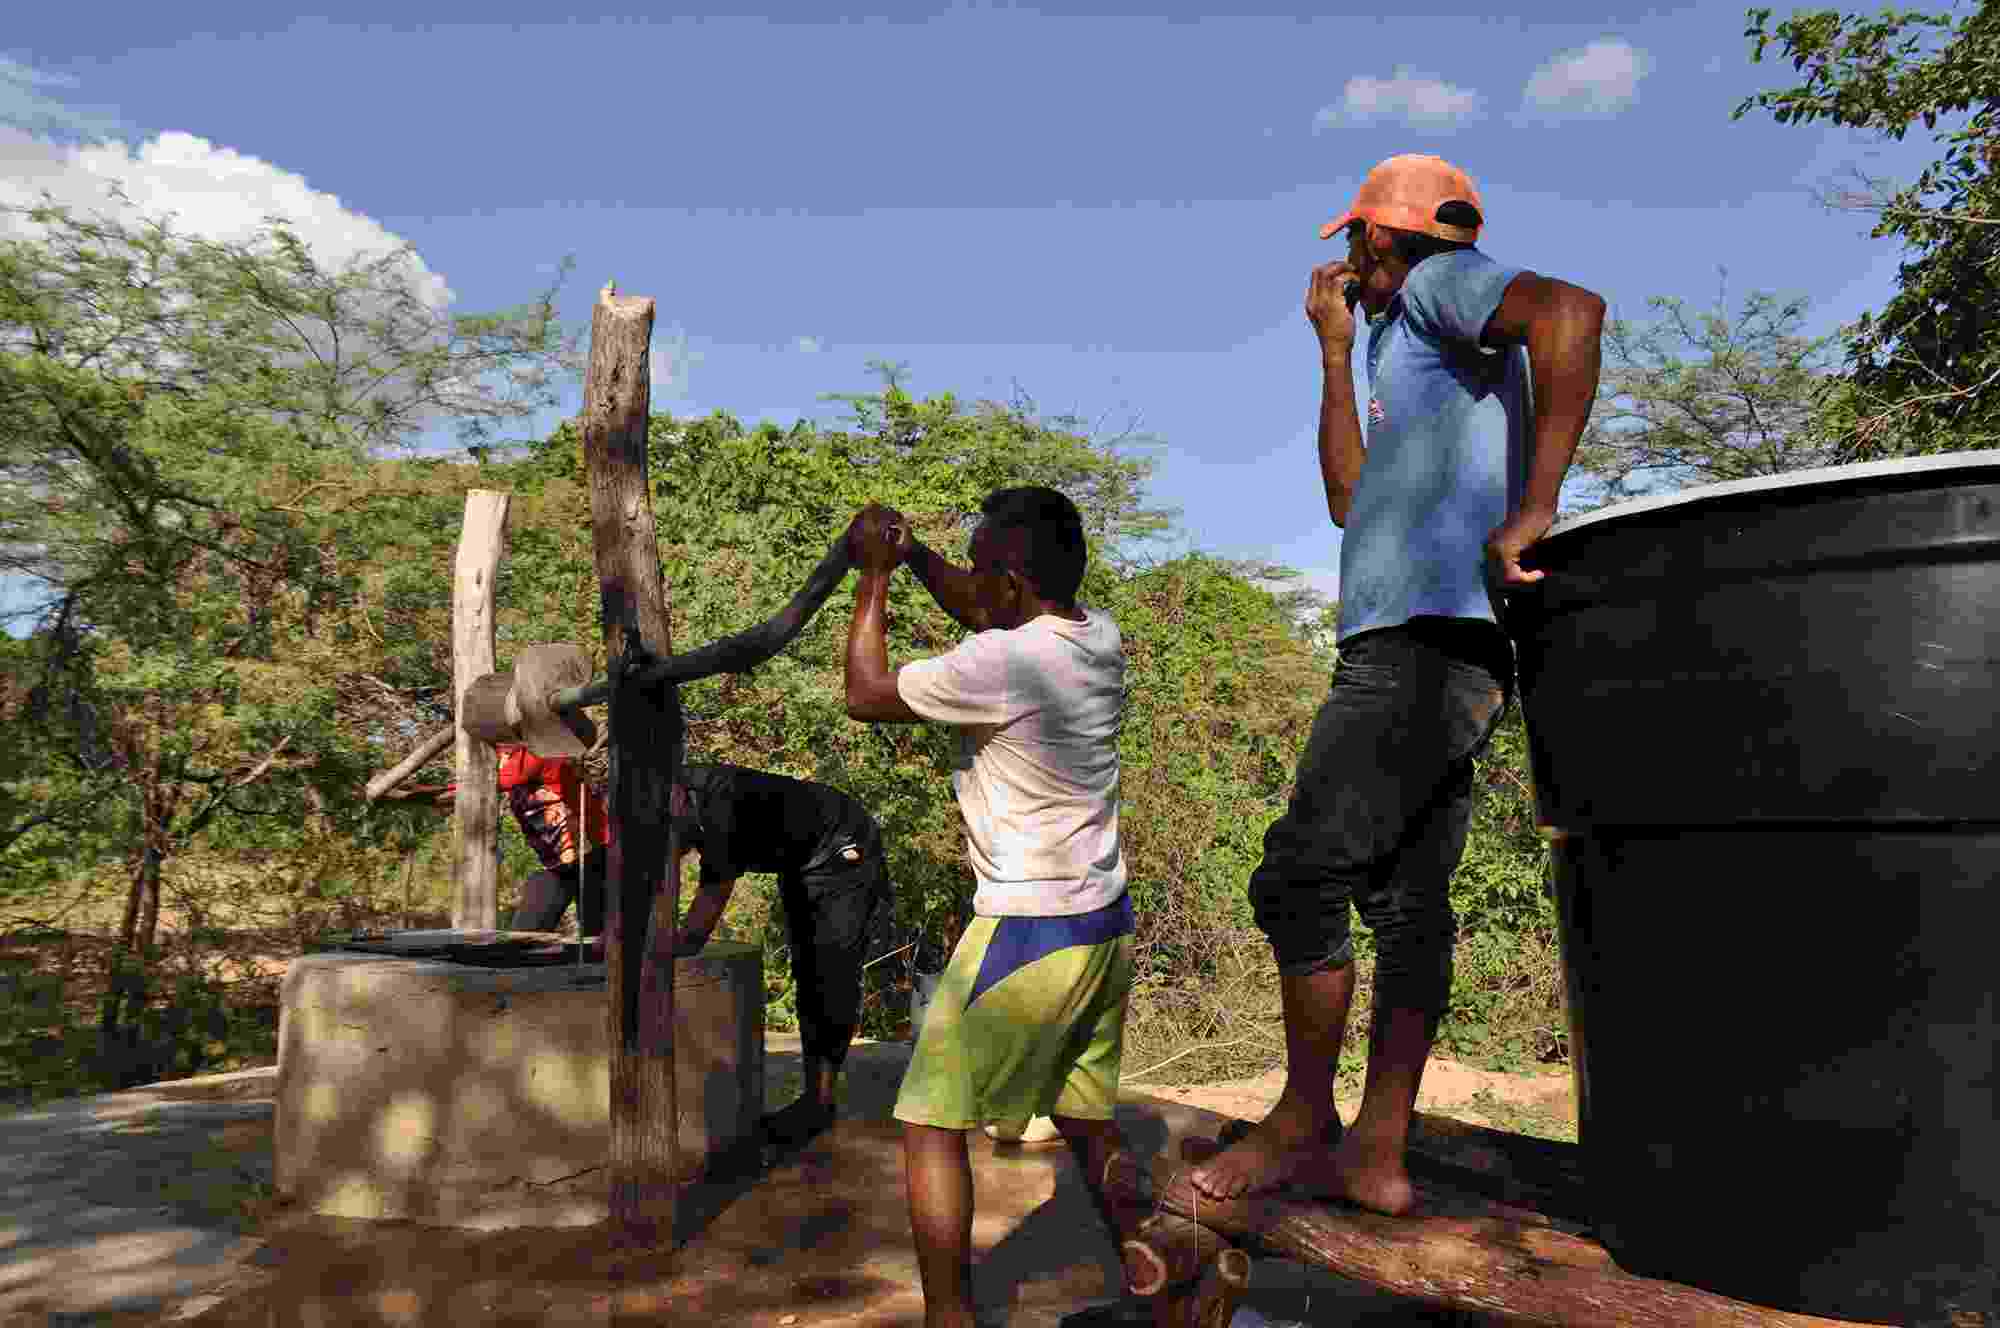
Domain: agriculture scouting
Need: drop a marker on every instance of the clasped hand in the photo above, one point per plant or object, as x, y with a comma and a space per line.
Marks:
878, 538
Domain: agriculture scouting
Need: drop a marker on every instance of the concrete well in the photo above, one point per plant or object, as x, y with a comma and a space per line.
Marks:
462, 1095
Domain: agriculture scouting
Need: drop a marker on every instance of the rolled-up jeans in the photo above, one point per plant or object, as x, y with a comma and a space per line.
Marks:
1382, 802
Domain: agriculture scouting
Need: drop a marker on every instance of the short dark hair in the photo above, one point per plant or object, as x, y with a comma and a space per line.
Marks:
1413, 247
1053, 554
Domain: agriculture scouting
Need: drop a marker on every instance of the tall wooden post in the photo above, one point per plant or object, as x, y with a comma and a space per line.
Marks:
646, 739
475, 901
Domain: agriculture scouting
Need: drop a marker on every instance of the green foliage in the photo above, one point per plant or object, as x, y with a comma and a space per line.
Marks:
1920, 372
1702, 397
1506, 1000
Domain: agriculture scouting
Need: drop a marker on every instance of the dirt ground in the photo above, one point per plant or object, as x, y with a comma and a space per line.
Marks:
819, 1242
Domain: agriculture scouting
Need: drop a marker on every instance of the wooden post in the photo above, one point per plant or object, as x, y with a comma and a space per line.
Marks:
646, 738
475, 903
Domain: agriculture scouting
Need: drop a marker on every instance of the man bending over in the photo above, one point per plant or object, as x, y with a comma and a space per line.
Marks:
827, 853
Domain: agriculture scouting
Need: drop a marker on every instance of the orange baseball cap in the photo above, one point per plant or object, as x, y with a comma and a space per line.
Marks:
1406, 192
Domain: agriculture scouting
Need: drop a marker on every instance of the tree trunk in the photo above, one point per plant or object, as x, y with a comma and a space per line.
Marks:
646, 736
475, 903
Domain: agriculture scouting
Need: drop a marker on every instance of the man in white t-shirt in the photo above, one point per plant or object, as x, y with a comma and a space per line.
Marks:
1029, 1017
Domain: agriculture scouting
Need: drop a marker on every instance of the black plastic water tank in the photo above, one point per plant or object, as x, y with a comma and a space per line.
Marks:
1764, 724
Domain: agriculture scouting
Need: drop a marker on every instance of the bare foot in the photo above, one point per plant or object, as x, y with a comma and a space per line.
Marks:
1365, 1173
1265, 1157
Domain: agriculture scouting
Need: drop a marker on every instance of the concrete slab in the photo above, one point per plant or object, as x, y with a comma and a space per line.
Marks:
127, 1202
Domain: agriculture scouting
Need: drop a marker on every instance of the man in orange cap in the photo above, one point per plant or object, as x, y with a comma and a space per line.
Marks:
1478, 379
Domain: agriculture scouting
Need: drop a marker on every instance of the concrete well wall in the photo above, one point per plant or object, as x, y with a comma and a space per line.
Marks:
461, 1095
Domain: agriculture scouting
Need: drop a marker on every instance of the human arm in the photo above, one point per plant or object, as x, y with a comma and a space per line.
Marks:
872, 696
952, 587
1340, 447
1562, 327
704, 912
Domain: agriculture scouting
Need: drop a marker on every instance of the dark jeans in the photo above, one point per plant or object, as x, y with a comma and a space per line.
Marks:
828, 914
1381, 806
547, 895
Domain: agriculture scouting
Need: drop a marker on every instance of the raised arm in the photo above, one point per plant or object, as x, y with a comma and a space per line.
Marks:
952, 587
1340, 447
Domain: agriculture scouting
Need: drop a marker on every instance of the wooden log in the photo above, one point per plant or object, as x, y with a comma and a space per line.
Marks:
475, 902
425, 752
645, 740
1166, 1251
1439, 1198
1489, 1265
1544, 1175
1223, 1283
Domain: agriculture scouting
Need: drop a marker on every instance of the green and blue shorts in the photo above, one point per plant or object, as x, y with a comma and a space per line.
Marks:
1028, 1020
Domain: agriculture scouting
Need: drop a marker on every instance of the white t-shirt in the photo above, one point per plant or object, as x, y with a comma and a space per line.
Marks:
1038, 707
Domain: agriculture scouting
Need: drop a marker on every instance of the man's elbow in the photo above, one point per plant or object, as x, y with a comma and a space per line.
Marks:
1583, 309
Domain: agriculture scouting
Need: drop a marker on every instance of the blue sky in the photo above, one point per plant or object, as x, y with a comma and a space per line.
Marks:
1115, 208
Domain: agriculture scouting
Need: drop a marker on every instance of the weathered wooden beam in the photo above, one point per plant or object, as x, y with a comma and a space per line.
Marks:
1517, 1270
475, 901
646, 738
426, 751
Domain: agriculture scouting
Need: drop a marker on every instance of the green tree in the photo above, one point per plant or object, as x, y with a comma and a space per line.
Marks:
1921, 373
194, 479
1700, 397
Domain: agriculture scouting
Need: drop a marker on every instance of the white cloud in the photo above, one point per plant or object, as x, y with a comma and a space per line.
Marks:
212, 191
809, 345
1599, 79
1415, 100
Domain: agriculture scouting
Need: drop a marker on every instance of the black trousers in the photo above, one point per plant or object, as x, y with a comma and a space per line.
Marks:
547, 895
829, 912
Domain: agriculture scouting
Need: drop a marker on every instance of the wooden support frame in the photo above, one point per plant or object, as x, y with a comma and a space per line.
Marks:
476, 825
643, 902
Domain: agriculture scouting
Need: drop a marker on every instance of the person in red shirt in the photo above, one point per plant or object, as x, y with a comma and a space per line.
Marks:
542, 792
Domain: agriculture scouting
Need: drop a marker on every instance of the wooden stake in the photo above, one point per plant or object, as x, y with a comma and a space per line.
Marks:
646, 738
474, 876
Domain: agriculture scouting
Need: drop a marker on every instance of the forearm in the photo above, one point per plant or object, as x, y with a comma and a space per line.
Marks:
951, 587
868, 633
706, 908
1565, 353
1340, 448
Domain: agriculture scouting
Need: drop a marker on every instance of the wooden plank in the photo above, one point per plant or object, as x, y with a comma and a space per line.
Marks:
425, 752
474, 875
1521, 1271
645, 750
